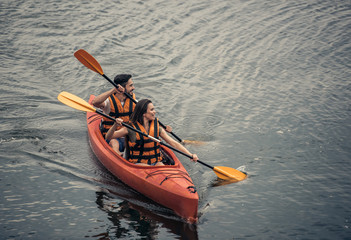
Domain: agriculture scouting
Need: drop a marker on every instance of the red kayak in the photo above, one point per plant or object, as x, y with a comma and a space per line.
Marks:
169, 185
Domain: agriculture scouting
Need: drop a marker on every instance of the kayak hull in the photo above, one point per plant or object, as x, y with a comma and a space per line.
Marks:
169, 185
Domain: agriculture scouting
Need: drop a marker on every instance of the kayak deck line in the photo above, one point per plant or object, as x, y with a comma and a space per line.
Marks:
96, 117
171, 173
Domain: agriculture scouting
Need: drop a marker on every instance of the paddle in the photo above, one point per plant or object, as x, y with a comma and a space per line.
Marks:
90, 62
75, 102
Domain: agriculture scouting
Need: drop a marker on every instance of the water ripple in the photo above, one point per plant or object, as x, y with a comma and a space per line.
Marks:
264, 84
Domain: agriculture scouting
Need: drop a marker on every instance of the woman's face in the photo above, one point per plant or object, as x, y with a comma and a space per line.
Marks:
150, 112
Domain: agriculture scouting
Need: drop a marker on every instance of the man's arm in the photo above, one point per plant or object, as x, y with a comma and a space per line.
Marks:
99, 101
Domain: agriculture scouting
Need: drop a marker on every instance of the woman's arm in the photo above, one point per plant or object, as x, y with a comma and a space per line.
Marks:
177, 145
112, 133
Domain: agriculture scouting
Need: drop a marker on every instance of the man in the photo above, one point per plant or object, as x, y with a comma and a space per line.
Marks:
116, 104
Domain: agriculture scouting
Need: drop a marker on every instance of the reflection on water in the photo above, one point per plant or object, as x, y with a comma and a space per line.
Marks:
119, 213
133, 214
220, 182
130, 219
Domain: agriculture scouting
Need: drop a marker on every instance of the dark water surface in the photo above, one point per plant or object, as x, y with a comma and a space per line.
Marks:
266, 84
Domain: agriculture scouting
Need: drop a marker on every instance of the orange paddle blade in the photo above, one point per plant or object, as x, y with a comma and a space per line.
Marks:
88, 61
75, 102
228, 173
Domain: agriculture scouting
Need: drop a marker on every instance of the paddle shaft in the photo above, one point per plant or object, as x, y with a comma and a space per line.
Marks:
135, 101
79, 104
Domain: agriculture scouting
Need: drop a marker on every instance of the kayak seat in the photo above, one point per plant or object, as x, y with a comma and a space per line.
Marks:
166, 159
126, 148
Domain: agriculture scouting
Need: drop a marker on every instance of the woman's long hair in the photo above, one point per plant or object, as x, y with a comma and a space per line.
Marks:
140, 109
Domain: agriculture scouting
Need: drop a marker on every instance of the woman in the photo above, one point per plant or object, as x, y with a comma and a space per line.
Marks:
142, 150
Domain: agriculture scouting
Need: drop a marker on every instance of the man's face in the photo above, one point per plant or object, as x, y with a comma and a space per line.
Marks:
130, 86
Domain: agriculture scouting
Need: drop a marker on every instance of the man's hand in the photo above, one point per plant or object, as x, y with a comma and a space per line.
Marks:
119, 89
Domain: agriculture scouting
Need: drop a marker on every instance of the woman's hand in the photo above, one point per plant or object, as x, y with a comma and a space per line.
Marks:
119, 122
194, 157
168, 129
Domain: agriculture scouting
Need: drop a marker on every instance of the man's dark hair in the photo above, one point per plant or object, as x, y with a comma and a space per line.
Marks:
122, 79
